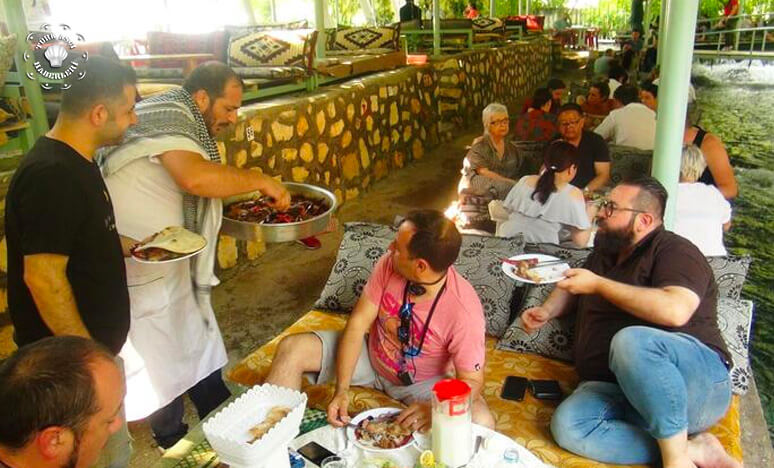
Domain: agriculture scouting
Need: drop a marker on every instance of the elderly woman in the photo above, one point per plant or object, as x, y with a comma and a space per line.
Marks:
702, 212
539, 206
492, 163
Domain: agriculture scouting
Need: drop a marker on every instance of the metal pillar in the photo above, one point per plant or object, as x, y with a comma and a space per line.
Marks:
17, 24
319, 24
336, 12
273, 5
662, 31
529, 6
492, 8
436, 27
519, 7
673, 98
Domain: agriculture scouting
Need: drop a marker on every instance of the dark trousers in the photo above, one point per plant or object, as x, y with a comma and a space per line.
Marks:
167, 422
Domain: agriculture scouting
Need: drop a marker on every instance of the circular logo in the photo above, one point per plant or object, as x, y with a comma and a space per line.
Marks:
55, 56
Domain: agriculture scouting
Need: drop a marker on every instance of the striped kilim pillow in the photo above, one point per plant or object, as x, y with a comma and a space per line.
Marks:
482, 24
273, 48
374, 37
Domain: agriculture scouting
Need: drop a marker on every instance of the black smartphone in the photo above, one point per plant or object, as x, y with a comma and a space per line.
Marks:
315, 452
546, 389
514, 388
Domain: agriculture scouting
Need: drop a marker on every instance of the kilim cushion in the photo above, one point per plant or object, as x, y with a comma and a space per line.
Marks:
234, 31
490, 25
372, 37
7, 50
273, 48
160, 43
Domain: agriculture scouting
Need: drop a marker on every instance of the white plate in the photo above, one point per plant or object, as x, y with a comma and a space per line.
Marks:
376, 412
548, 274
172, 260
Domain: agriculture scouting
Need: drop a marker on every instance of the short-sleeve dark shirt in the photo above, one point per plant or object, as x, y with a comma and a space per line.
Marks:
661, 259
591, 149
409, 12
57, 203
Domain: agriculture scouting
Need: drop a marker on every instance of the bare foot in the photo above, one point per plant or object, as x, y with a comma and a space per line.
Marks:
706, 451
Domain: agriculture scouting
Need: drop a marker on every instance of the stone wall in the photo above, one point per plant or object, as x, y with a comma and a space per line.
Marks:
348, 136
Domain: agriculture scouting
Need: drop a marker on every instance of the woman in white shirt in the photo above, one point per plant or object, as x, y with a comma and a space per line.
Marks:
702, 212
539, 206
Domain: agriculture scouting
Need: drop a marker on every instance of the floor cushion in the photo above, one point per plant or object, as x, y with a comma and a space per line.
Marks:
479, 262
368, 37
275, 48
527, 422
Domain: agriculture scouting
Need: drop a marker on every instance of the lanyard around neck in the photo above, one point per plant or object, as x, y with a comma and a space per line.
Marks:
429, 315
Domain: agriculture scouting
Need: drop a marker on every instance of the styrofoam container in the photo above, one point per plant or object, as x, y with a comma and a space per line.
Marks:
228, 431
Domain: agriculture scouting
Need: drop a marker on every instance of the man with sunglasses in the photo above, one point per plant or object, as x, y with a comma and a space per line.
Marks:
652, 363
417, 321
593, 153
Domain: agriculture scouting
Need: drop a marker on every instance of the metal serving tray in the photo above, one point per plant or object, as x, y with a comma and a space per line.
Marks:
285, 232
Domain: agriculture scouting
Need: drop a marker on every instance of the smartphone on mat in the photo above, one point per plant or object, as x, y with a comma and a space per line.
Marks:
514, 388
315, 452
546, 389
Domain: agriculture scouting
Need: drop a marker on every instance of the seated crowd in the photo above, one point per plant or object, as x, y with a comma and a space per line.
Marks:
645, 299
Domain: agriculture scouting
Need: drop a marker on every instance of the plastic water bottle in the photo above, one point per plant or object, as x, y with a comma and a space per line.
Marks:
510, 459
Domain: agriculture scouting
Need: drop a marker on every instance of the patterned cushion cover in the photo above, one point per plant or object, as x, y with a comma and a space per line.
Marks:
167, 73
160, 42
273, 48
627, 162
730, 274
526, 422
237, 30
735, 323
7, 50
479, 262
270, 72
371, 37
488, 25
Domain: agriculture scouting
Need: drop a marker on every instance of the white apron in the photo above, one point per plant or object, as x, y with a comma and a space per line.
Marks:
174, 340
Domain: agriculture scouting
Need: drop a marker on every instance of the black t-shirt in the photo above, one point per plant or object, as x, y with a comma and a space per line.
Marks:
661, 259
591, 149
410, 12
58, 203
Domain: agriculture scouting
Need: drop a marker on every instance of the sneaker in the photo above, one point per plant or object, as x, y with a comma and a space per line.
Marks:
311, 243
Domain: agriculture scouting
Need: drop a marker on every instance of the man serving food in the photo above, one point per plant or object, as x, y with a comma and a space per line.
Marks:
417, 321
168, 173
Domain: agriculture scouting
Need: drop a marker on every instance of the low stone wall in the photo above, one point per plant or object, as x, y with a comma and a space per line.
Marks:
346, 137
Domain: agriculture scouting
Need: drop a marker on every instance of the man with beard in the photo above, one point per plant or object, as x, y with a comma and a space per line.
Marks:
60, 401
168, 173
66, 271
652, 363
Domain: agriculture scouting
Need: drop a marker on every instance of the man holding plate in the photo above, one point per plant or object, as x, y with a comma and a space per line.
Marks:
168, 173
653, 366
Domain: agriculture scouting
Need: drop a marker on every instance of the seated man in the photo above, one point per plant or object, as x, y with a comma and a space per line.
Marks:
602, 64
652, 364
557, 89
537, 124
417, 321
632, 125
598, 101
616, 77
60, 400
593, 154
409, 12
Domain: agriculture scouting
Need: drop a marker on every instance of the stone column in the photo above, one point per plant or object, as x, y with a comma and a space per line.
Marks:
673, 97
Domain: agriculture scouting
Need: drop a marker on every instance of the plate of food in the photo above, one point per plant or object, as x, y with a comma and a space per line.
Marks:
377, 430
535, 268
171, 244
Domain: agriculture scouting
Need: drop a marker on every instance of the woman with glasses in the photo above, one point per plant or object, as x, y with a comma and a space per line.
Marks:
539, 206
492, 163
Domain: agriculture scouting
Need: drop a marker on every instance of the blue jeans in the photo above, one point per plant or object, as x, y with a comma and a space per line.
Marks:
667, 383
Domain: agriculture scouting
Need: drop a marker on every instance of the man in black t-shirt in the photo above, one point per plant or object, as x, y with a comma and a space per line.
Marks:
593, 153
409, 11
66, 272
652, 363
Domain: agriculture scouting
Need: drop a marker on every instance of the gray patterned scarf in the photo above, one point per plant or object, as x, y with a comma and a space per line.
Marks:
170, 113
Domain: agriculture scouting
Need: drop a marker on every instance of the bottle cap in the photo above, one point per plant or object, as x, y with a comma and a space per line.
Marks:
511, 455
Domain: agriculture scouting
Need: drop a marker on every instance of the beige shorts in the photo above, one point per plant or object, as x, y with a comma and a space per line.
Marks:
365, 375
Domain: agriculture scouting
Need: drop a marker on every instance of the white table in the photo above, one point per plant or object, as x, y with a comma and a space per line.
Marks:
335, 440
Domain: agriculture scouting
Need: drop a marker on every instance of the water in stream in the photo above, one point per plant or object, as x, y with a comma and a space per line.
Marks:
736, 101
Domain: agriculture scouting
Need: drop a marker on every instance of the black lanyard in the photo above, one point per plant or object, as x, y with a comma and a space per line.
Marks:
429, 315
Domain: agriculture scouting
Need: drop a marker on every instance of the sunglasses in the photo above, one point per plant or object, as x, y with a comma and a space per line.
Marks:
608, 207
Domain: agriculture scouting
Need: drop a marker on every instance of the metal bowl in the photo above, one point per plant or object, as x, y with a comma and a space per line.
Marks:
284, 232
